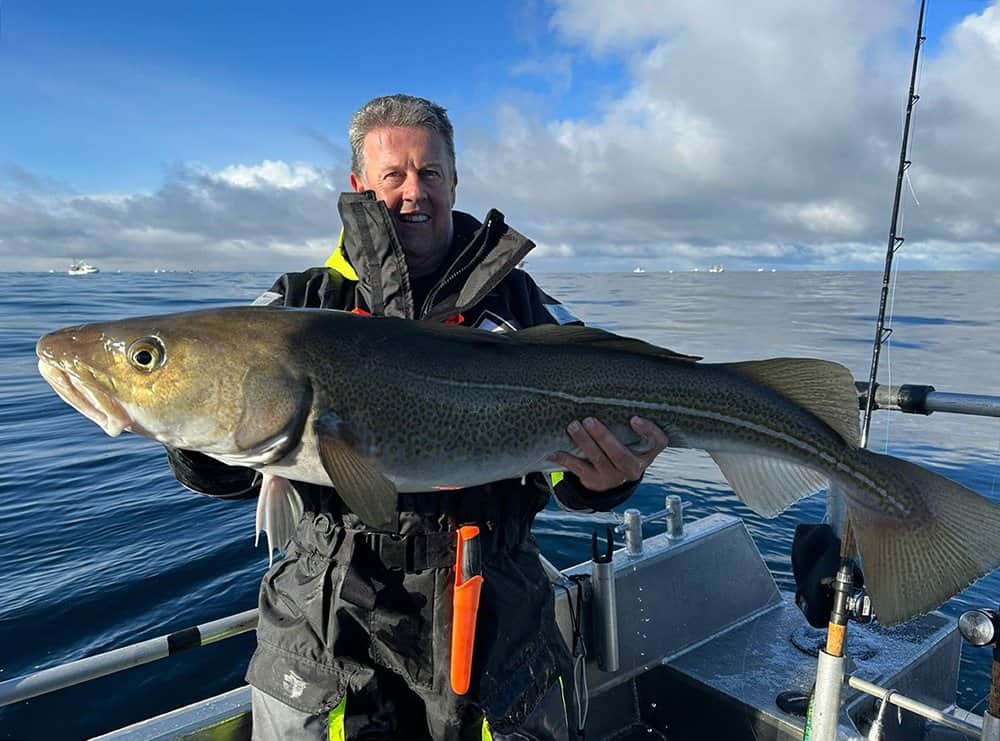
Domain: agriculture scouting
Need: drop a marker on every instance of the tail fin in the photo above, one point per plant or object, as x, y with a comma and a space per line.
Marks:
934, 538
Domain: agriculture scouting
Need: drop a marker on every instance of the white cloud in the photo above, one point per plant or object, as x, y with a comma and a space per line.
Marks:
269, 216
543, 250
832, 218
272, 174
758, 123
751, 133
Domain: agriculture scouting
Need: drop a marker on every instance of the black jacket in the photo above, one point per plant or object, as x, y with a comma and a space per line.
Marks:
347, 608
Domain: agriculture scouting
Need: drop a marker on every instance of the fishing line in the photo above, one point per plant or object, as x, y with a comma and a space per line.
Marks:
909, 184
891, 313
914, 121
893, 283
888, 340
894, 274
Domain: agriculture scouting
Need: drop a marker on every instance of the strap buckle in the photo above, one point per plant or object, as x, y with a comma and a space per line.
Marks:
393, 550
414, 552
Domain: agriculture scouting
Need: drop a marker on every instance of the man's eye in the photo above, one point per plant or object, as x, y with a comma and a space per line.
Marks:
430, 174
394, 175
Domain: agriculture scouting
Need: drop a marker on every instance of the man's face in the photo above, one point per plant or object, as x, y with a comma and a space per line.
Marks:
409, 169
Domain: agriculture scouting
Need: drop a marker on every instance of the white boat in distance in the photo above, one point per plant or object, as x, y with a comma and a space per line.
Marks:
78, 267
637, 269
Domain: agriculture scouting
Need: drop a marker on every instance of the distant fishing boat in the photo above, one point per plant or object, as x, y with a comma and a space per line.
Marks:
717, 269
78, 267
637, 269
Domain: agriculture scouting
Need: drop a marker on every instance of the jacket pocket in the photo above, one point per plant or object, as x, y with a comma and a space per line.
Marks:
296, 631
405, 622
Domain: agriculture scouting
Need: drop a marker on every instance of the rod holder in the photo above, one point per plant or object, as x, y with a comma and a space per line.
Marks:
991, 728
825, 712
633, 533
674, 517
604, 606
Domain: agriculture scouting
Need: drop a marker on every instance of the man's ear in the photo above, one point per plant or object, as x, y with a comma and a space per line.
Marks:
357, 185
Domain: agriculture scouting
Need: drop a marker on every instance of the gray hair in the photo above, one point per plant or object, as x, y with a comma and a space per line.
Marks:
397, 110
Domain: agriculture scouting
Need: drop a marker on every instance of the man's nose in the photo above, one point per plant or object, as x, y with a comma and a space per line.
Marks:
413, 189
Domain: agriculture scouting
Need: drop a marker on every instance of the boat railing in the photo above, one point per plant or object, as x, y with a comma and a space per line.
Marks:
965, 722
110, 662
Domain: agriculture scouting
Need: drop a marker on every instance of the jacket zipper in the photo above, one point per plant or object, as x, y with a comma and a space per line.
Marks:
444, 282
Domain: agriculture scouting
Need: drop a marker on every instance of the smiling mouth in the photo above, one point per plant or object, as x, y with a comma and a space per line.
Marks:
414, 218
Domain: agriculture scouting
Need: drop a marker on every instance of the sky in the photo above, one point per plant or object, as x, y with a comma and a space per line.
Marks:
193, 135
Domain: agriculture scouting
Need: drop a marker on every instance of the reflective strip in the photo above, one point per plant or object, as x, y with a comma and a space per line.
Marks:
561, 314
555, 477
487, 736
335, 722
338, 262
267, 298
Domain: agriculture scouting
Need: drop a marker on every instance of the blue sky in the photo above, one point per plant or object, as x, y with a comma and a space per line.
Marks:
110, 94
672, 135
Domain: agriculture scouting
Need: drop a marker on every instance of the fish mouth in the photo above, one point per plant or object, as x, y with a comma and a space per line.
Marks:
97, 406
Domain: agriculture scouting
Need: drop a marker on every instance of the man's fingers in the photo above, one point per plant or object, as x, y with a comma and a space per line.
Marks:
584, 437
604, 461
616, 464
653, 441
571, 463
650, 433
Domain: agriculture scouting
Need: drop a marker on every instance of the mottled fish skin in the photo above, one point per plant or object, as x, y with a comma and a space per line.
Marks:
378, 406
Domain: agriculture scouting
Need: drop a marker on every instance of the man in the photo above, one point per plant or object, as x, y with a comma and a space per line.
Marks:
354, 629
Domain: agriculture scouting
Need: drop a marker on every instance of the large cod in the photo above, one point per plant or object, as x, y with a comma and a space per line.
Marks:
376, 406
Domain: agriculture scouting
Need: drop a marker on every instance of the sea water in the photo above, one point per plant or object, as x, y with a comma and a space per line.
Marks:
101, 547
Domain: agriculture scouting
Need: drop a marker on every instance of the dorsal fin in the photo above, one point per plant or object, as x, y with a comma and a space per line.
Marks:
574, 334
822, 387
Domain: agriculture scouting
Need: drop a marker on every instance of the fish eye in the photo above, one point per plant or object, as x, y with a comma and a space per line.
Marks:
147, 354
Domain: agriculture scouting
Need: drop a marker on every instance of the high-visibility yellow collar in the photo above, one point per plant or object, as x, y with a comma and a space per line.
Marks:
338, 261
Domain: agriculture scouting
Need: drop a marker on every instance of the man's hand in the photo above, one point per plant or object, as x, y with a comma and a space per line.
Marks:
609, 463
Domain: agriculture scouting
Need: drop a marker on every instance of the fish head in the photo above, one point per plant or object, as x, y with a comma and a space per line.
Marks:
192, 380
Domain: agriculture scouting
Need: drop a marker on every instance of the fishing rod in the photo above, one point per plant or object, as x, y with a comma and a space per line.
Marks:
824, 714
895, 241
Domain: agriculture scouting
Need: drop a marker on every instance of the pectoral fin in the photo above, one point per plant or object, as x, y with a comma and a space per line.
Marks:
279, 509
275, 407
365, 491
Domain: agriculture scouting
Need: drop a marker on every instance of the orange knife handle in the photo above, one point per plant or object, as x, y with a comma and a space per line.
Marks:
463, 632
465, 607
